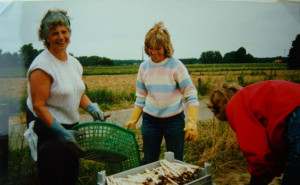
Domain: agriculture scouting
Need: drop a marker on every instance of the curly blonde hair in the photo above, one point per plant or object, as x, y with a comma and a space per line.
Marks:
159, 36
48, 25
219, 98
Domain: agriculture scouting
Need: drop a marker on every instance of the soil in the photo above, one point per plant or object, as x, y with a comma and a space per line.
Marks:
116, 83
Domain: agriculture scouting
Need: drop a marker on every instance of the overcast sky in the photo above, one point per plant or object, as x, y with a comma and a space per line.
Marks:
116, 28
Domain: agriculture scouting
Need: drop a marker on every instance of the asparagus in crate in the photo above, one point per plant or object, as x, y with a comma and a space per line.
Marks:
167, 173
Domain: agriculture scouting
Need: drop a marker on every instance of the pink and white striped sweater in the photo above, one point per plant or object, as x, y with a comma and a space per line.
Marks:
161, 87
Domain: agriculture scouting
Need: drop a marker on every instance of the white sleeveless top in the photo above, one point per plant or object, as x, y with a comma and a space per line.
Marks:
66, 89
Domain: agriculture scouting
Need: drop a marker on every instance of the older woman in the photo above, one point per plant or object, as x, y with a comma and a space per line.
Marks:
162, 83
55, 92
266, 119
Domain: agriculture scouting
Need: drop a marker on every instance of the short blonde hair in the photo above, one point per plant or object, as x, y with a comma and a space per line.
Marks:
159, 36
48, 25
219, 98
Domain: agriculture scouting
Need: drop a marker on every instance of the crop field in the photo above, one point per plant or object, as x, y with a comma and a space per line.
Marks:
123, 78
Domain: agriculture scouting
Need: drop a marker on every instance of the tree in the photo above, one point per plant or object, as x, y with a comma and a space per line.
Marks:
210, 57
242, 56
241, 52
229, 57
28, 53
189, 60
95, 61
9, 60
238, 56
293, 59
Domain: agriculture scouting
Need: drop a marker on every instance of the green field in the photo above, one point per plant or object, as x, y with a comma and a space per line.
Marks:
192, 68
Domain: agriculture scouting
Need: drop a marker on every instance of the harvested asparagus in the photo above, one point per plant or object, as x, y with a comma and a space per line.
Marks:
168, 173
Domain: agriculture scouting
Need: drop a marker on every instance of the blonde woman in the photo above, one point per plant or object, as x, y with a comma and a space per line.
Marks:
266, 119
162, 84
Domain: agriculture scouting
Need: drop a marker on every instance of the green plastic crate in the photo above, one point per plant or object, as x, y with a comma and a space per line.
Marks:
110, 144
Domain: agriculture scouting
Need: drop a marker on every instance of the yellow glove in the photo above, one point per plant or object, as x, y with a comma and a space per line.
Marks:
191, 131
135, 116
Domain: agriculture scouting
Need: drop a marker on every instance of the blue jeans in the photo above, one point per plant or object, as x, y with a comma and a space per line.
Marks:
153, 131
292, 172
291, 175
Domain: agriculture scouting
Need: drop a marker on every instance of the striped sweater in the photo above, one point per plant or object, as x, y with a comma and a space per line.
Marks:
161, 87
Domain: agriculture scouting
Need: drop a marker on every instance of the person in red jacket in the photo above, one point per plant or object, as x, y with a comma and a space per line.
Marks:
266, 119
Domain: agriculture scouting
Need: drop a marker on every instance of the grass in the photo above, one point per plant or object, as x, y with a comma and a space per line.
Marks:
107, 99
21, 168
12, 72
112, 70
235, 67
192, 68
216, 145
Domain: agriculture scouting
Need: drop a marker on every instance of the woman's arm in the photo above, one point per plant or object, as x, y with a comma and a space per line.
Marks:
40, 84
186, 86
84, 101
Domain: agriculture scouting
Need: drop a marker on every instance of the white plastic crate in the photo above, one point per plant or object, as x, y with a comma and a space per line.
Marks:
204, 174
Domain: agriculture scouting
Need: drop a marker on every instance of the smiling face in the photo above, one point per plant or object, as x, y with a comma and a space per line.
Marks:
157, 54
59, 39
158, 45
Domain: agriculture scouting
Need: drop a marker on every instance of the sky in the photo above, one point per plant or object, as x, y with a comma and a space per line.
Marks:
116, 29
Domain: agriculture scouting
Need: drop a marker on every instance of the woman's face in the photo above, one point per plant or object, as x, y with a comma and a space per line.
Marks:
157, 54
59, 38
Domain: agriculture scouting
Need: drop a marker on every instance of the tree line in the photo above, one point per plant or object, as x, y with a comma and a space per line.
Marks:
241, 56
238, 56
27, 53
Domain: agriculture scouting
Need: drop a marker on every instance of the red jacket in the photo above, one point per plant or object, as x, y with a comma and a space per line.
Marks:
257, 114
